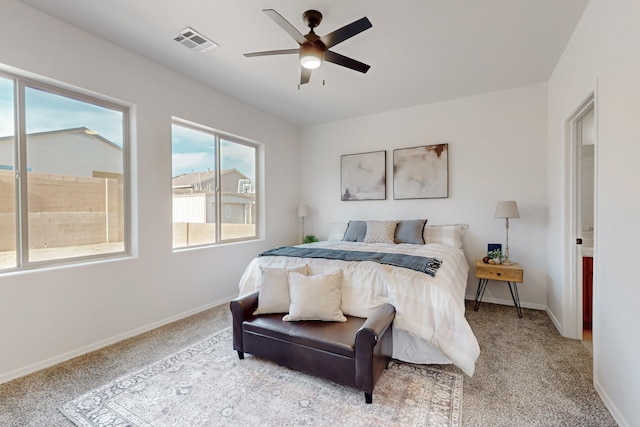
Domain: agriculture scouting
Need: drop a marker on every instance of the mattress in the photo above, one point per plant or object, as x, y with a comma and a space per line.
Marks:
429, 326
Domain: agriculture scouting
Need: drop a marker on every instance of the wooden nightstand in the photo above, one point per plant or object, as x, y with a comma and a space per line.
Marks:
512, 274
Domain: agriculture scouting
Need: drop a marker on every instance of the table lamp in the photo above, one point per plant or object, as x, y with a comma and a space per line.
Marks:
303, 210
507, 209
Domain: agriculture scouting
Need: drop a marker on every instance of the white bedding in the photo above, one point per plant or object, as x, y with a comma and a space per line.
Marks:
429, 326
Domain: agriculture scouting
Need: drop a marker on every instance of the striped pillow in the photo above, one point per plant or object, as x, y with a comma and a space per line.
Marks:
336, 231
450, 235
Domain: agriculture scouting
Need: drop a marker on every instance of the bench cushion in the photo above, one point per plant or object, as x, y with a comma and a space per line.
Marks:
333, 337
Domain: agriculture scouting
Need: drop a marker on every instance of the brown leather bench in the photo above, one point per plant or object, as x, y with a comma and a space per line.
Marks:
353, 353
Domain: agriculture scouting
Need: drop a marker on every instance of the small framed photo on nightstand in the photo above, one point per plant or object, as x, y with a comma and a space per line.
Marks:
494, 247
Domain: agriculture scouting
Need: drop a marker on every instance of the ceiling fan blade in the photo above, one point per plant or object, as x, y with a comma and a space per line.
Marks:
286, 25
305, 75
346, 32
272, 52
345, 61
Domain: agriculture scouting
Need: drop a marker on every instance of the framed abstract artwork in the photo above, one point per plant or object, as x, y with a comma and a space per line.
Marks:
421, 172
363, 176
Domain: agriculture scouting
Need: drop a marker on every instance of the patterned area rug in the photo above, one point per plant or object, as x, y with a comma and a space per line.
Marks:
207, 385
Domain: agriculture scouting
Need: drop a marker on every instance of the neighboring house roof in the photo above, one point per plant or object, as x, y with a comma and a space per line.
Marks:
193, 177
75, 151
187, 180
81, 129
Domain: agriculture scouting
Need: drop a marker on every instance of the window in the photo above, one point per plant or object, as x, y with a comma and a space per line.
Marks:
8, 257
214, 186
63, 175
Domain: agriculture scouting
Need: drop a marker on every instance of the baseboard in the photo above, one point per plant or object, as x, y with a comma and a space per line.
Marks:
507, 302
555, 321
10, 376
613, 410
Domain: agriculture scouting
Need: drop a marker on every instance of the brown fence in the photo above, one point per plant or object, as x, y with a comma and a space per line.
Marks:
7, 211
64, 210
190, 234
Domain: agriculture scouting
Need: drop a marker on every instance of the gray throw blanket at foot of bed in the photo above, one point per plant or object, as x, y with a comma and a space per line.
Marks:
426, 265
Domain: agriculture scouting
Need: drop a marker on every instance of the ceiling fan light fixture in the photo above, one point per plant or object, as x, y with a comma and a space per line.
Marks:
310, 57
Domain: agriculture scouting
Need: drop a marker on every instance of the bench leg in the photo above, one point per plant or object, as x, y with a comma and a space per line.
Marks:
368, 397
240, 354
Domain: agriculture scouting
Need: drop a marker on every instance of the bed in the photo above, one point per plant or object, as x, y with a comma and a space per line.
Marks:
429, 327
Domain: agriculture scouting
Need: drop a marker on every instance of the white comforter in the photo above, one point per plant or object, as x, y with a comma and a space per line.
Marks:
429, 326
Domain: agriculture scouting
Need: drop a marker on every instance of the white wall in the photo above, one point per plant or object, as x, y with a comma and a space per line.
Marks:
46, 316
603, 56
497, 151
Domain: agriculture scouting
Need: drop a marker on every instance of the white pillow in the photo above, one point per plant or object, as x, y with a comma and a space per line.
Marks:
336, 231
380, 232
316, 297
450, 235
273, 296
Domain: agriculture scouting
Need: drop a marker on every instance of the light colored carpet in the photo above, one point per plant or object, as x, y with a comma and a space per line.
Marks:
207, 385
526, 375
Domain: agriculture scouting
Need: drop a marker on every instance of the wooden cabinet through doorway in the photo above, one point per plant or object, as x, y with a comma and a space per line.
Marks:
587, 291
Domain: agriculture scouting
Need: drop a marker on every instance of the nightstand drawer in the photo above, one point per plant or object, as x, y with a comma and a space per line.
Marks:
506, 273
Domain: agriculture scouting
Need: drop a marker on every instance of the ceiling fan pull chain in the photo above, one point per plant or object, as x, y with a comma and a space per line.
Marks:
323, 73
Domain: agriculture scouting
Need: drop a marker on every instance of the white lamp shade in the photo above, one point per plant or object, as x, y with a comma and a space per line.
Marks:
507, 209
303, 210
310, 62
310, 57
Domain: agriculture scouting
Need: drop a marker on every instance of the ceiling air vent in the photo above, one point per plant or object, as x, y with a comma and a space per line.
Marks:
194, 40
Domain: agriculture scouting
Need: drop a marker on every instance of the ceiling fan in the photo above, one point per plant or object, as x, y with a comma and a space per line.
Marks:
313, 48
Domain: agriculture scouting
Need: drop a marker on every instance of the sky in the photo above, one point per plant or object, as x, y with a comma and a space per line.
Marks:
6, 107
192, 151
46, 111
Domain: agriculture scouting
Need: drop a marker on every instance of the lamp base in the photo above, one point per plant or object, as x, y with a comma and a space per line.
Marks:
507, 262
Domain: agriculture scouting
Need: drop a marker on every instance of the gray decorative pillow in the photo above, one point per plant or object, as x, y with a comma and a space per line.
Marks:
410, 231
380, 231
356, 230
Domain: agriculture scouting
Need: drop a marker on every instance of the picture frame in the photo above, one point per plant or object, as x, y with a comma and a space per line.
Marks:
494, 247
421, 172
363, 176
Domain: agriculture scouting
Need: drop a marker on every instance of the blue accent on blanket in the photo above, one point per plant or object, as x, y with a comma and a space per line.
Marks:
428, 265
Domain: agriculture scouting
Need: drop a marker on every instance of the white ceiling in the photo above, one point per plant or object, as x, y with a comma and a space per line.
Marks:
420, 51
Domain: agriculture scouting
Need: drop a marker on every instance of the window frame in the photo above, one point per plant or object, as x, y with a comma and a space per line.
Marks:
20, 85
218, 137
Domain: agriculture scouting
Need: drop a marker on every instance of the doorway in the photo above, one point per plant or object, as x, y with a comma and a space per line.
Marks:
582, 138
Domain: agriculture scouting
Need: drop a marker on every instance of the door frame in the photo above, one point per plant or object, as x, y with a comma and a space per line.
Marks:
573, 252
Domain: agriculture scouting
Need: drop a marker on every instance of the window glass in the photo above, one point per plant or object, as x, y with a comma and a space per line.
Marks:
63, 175
74, 170
7, 176
238, 198
198, 200
194, 186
